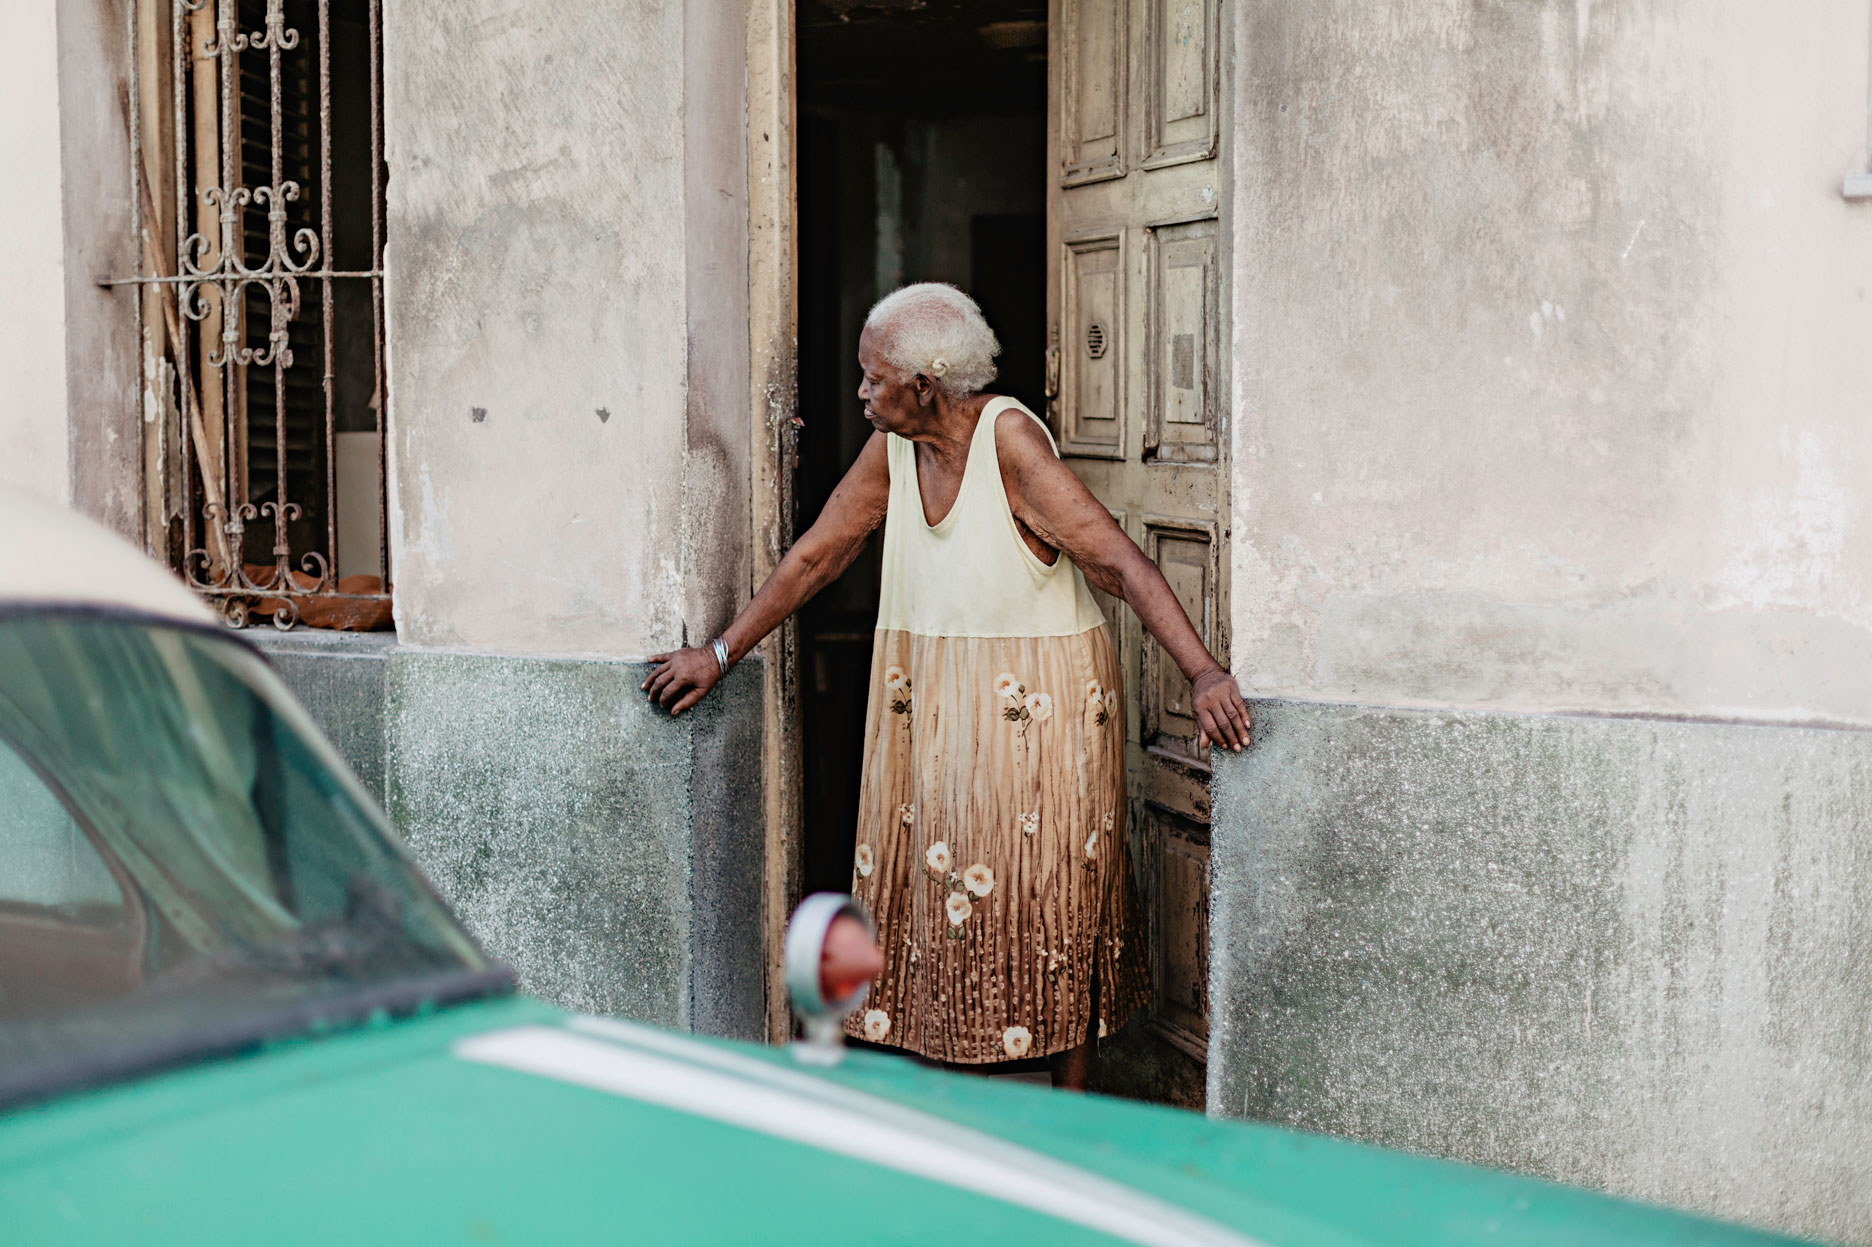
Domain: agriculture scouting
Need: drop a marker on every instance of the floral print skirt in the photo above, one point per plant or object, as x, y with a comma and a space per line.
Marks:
992, 846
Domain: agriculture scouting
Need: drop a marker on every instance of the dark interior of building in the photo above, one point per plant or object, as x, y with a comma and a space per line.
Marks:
922, 144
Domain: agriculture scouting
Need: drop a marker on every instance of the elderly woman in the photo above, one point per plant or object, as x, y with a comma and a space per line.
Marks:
991, 833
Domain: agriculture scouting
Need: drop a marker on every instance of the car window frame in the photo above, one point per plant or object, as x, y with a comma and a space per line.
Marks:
231, 1037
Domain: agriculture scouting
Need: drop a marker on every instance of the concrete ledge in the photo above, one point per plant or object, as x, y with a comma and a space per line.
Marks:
1626, 953
340, 678
609, 853
593, 843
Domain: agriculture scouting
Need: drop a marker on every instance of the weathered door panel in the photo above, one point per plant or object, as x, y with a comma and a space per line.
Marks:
1181, 93
1177, 768
1183, 286
1180, 899
1093, 341
1091, 121
1136, 298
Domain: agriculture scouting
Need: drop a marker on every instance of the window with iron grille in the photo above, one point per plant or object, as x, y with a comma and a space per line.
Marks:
257, 169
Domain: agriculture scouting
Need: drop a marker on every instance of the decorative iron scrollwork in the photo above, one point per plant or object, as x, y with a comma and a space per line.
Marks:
222, 272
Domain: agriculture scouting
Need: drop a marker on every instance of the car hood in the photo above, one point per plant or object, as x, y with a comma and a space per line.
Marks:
510, 1121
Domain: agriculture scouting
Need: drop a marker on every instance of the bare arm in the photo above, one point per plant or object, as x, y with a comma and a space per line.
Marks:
1061, 511
681, 678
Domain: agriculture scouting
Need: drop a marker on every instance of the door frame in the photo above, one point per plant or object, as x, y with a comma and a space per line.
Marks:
773, 402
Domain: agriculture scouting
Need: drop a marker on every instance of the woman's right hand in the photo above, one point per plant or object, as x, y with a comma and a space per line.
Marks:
679, 679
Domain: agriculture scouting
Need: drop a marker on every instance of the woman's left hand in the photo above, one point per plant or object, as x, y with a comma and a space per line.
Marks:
1221, 712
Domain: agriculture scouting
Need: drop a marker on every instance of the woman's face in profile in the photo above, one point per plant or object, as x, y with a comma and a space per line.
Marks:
892, 401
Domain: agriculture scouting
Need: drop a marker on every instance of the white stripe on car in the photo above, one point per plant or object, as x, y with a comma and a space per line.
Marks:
723, 1086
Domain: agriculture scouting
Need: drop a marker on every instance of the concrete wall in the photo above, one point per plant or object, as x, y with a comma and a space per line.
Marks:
567, 323
341, 680
1627, 953
1553, 524
570, 449
70, 428
617, 864
101, 353
603, 851
32, 265
1550, 347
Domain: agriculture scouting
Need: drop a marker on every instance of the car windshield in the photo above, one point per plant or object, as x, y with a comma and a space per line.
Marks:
185, 866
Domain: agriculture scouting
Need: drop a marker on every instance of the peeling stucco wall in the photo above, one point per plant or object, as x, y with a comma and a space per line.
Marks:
567, 326
32, 268
72, 422
69, 428
717, 542
1551, 356
100, 351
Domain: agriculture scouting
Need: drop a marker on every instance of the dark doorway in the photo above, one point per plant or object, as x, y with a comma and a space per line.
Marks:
922, 153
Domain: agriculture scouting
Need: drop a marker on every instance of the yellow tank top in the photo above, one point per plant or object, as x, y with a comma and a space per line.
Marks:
971, 575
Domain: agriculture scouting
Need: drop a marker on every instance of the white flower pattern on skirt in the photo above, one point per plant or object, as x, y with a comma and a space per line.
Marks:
864, 861
999, 790
876, 1025
897, 693
1023, 708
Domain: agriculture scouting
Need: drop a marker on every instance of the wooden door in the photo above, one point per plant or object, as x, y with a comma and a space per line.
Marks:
1135, 395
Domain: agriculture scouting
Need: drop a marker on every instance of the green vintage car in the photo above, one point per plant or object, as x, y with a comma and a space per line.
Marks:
232, 1011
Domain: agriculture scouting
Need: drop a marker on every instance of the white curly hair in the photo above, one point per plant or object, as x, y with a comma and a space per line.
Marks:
935, 329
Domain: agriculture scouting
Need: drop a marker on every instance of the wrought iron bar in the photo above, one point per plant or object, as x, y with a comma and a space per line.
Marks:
139, 240
325, 287
278, 192
234, 517
186, 279
379, 401
178, 68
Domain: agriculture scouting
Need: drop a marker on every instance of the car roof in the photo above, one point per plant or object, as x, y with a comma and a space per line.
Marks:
52, 556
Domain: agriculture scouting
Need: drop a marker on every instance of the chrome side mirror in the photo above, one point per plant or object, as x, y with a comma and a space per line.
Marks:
831, 957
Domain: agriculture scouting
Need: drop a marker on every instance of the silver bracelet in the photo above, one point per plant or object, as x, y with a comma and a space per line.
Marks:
720, 647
